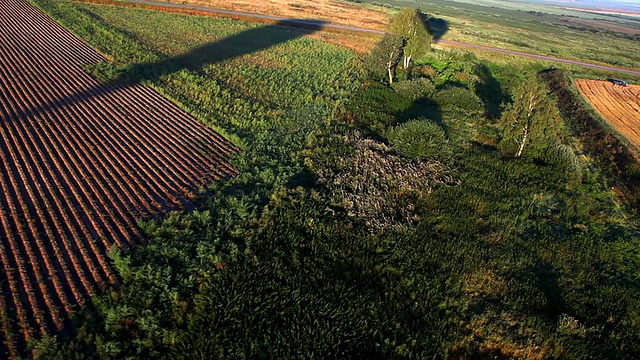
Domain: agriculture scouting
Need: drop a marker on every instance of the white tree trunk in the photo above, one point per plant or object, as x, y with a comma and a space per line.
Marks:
390, 74
407, 61
523, 142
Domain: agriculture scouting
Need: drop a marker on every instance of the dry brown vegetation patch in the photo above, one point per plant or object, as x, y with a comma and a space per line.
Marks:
359, 42
619, 106
372, 183
335, 12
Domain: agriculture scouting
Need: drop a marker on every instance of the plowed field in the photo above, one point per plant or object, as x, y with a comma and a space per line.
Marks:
80, 164
619, 106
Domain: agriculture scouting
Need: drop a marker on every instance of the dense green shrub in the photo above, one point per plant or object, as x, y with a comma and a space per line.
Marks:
377, 107
454, 97
415, 89
420, 139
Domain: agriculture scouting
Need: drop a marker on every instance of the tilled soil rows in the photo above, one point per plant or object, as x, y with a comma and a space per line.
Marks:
618, 105
80, 163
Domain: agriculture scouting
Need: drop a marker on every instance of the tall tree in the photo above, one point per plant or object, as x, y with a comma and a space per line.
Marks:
385, 57
530, 118
411, 24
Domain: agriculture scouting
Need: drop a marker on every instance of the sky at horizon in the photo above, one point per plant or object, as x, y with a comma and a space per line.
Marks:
604, 4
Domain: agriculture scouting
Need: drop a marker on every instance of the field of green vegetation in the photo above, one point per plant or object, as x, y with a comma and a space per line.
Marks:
531, 28
449, 215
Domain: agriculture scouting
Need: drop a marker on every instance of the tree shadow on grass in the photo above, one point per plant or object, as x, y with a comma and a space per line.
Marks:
437, 27
423, 107
489, 90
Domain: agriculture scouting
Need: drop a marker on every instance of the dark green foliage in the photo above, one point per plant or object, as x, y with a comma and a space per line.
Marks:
377, 107
531, 121
415, 89
410, 25
382, 61
460, 98
420, 139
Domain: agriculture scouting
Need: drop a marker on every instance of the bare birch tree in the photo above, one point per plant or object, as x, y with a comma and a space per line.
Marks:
528, 118
386, 56
411, 25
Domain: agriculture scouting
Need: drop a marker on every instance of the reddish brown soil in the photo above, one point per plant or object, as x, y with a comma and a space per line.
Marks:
336, 12
359, 42
604, 25
595, 11
619, 106
80, 164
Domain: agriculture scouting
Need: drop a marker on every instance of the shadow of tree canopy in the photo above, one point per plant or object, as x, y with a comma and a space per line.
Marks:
243, 43
423, 107
437, 27
489, 90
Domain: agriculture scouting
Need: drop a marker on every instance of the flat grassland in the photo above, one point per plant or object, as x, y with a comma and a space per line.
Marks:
619, 106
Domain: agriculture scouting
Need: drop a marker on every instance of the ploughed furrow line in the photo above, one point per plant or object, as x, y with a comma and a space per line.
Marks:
29, 26
210, 143
65, 227
99, 110
81, 153
80, 163
150, 129
129, 195
627, 96
68, 220
60, 194
619, 106
37, 206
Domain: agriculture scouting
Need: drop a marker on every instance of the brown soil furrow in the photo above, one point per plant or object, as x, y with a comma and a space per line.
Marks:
127, 136
184, 156
188, 127
52, 93
21, 247
77, 197
61, 229
24, 206
186, 124
35, 26
80, 163
617, 105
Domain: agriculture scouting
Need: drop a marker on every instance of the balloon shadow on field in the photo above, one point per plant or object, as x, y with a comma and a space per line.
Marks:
244, 43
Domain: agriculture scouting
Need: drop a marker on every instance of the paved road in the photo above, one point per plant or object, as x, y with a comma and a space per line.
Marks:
356, 29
